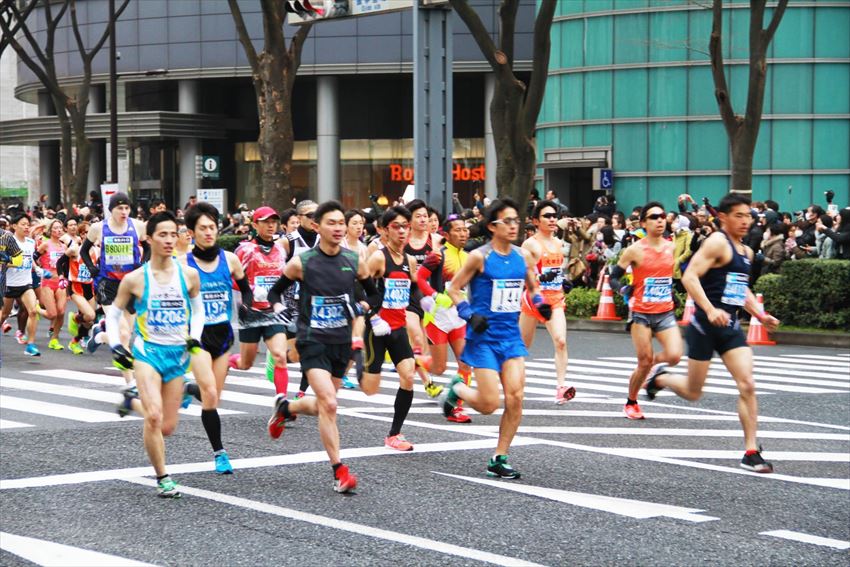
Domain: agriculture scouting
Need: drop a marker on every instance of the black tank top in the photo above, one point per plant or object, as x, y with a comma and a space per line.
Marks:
726, 286
327, 293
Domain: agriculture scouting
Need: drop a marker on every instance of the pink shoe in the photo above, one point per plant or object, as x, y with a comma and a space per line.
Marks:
632, 411
563, 394
233, 361
398, 442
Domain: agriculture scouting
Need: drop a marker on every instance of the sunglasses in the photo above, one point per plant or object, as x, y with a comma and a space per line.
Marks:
549, 215
511, 221
399, 226
656, 216
308, 215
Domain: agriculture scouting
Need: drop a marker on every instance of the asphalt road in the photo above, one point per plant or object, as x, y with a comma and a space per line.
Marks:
596, 489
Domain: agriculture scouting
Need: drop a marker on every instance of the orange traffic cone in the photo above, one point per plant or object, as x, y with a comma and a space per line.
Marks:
757, 335
606, 310
688, 312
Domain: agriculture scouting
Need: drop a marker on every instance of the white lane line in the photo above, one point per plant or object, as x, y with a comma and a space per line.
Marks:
9, 424
59, 411
802, 456
659, 431
51, 554
806, 538
638, 509
431, 545
253, 462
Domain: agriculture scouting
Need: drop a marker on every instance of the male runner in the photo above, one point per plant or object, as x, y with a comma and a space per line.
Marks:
653, 312
19, 284
495, 274
443, 325
386, 330
301, 239
327, 274
717, 279
169, 323
546, 251
216, 268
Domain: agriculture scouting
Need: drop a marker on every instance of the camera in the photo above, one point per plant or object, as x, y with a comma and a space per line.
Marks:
830, 195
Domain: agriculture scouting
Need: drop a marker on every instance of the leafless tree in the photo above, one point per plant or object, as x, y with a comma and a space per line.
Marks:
273, 73
743, 130
70, 102
516, 105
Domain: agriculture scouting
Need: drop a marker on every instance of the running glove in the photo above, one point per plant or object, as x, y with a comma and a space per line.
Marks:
543, 308
380, 327
193, 346
477, 323
428, 303
121, 358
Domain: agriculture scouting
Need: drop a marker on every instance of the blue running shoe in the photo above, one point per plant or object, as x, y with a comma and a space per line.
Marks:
222, 463
348, 383
92, 345
187, 397
32, 350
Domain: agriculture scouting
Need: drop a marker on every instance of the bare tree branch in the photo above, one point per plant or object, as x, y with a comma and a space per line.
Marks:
507, 25
721, 89
295, 48
478, 31
105, 35
778, 12
9, 10
539, 66
33, 42
242, 32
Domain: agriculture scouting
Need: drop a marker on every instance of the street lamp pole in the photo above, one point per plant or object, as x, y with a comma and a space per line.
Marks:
113, 99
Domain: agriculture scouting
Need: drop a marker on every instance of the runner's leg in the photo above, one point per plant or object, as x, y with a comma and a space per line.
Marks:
739, 363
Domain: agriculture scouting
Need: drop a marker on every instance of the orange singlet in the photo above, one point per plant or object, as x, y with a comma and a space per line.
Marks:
653, 280
551, 278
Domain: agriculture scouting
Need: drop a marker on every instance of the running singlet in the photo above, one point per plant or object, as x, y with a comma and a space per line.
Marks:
216, 290
496, 293
17, 276
327, 288
653, 287
453, 260
550, 274
726, 287
51, 255
78, 271
119, 253
162, 313
263, 266
395, 289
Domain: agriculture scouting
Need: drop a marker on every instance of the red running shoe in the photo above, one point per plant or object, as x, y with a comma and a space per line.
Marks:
563, 394
632, 411
276, 421
457, 416
344, 481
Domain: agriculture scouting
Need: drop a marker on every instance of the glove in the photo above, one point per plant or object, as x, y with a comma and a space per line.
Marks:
567, 286
63, 283
193, 346
548, 276
380, 328
428, 303
542, 307
478, 323
625, 291
705, 201
432, 261
443, 302
464, 310
121, 358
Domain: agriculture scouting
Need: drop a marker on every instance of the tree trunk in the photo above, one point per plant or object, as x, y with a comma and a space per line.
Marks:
79, 189
66, 142
742, 167
276, 133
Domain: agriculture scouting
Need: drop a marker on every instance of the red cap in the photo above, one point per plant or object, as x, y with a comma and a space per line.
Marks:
264, 213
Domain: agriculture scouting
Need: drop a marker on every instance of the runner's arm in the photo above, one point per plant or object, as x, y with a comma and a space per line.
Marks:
237, 272
196, 323
126, 291
619, 270
472, 266
85, 256
706, 258
531, 284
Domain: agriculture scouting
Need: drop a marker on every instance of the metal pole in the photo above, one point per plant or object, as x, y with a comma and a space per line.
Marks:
113, 99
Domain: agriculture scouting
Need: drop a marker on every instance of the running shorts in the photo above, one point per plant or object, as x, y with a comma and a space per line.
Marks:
252, 335
169, 361
704, 339
51, 283
556, 300
491, 354
107, 289
84, 289
657, 322
396, 344
333, 358
217, 339
16, 291
439, 337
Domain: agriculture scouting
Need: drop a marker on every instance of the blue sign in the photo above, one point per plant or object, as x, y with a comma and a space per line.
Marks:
606, 179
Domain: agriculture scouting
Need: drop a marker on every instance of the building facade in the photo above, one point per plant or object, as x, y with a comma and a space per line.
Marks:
630, 89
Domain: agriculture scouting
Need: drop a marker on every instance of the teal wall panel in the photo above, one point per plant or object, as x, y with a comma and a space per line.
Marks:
831, 144
792, 144
711, 186
795, 34
630, 192
840, 184
598, 91
630, 147
600, 49
598, 135
832, 88
832, 44
800, 194
664, 190
666, 88
701, 99
572, 97
668, 36
631, 35
708, 146
572, 44
792, 89
761, 157
667, 146
630, 93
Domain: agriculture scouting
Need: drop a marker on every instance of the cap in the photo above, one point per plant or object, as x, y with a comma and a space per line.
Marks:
264, 213
118, 199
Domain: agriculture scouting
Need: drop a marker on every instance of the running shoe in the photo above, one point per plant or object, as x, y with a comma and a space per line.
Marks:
84, 342
344, 481
276, 421
433, 390
93, 344
233, 361
74, 346
192, 389
649, 384
300, 395
167, 488
130, 393
20, 337
49, 332
7, 327
423, 361
32, 350
448, 398
54, 344
187, 397
222, 463
499, 467
563, 394
632, 411
398, 442
458, 416
348, 383
73, 326
754, 462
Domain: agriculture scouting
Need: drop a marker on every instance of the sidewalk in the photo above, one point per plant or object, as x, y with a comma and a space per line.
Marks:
796, 338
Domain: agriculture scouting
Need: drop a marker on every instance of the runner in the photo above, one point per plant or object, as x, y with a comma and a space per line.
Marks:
81, 288
216, 268
442, 324
717, 279
184, 239
495, 274
19, 283
169, 324
327, 274
53, 292
355, 221
386, 331
653, 312
546, 251
304, 237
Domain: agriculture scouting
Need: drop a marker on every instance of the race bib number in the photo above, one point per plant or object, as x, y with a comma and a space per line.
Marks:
118, 250
506, 296
167, 318
55, 255
328, 312
735, 292
83, 273
396, 293
264, 282
215, 306
658, 290
26, 264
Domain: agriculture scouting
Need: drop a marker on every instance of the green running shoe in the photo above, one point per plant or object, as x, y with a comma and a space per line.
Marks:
499, 467
75, 347
167, 488
73, 327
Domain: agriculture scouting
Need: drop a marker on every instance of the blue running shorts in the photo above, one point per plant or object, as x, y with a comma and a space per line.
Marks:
170, 361
492, 355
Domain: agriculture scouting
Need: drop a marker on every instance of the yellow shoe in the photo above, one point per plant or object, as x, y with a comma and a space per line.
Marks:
433, 390
54, 344
75, 347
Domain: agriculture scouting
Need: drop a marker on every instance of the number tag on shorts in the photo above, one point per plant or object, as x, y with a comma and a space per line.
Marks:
735, 292
658, 290
396, 293
506, 296
83, 273
328, 312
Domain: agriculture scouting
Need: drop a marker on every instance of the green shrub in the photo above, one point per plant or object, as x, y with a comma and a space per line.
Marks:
582, 302
229, 242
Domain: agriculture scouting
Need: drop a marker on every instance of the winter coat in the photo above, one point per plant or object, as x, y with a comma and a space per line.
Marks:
841, 241
774, 253
681, 251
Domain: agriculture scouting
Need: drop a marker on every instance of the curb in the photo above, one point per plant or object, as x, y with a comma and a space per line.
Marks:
795, 338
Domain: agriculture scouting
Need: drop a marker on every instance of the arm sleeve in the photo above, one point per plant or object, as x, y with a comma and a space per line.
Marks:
278, 288
85, 256
838, 237
373, 296
245, 289
423, 274
63, 265
113, 326
196, 324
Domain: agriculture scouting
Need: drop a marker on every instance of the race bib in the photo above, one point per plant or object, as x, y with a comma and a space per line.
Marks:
396, 293
55, 255
328, 312
215, 306
27, 263
265, 282
506, 296
83, 273
735, 292
167, 318
118, 250
658, 290
551, 278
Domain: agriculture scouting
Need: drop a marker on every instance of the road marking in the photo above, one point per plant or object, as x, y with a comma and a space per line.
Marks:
51, 554
344, 525
638, 509
806, 538
660, 431
9, 424
806, 456
61, 411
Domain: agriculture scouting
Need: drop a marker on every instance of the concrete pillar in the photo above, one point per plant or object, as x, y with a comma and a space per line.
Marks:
190, 148
48, 156
327, 139
490, 188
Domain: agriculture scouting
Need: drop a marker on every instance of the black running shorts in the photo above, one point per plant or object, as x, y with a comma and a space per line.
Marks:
217, 339
704, 339
396, 343
333, 358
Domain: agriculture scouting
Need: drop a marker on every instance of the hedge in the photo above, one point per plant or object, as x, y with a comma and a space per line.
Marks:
230, 241
809, 293
583, 302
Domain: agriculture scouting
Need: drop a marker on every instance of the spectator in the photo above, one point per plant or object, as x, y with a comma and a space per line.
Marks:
824, 244
773, 247
562, 208
807, 242
605, 205
682, 236
839, 236
576, 234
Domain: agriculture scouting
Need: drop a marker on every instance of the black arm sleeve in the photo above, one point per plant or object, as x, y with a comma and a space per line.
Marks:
85, 256
616, 273
63, 265
146, 251
278, 288
245, 290
373, 296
